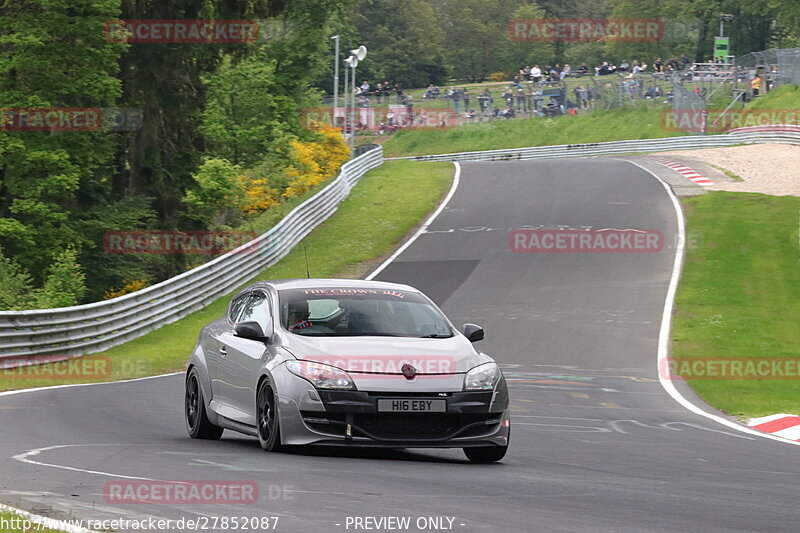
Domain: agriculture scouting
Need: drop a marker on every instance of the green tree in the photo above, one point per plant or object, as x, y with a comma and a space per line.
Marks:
520, 54
65, 283
53, 55
15, 285
256, 105
406, 45
218, 198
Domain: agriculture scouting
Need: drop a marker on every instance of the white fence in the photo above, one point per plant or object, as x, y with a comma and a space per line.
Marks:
619, 147
69, 331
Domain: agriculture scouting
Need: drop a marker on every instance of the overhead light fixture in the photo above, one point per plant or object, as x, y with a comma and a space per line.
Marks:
360, 52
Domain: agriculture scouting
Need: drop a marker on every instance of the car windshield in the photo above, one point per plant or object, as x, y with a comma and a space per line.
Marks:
354, 312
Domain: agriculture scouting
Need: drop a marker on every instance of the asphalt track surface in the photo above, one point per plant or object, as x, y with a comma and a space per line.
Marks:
597, 445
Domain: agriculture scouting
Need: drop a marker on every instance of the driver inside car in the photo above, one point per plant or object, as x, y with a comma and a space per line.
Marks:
298, 315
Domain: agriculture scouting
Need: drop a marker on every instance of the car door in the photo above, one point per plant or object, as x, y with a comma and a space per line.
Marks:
246, 357
216, 349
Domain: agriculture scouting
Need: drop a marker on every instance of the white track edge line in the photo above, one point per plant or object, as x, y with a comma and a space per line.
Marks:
666, 328
70, 385
421, 230
49, 523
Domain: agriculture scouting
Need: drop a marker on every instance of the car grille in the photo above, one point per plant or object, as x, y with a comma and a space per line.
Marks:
407, 426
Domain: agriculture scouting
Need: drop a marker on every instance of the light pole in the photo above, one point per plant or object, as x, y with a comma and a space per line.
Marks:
335, 79
356, 55
349, 100
723, 18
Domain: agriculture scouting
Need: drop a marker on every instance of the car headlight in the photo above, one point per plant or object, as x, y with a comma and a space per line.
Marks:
322, 376
482, 377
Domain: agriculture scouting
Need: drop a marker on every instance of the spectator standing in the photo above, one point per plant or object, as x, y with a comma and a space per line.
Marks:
410, 109
483, 102
466, 96
508, 96
457, 96
536, 75
756, 85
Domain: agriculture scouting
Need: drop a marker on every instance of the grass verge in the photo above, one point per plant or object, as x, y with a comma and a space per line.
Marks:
598, 126
784, 97
641, 121
739, 297
377, 215
732, 175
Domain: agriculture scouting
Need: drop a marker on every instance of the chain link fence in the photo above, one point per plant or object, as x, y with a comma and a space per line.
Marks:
789, 65
685, 101
776, 65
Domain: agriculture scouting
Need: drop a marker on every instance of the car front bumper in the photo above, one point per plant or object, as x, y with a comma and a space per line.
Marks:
351, 418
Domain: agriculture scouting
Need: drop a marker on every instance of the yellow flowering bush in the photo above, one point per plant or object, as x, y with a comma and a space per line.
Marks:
315, 161
128, 287
259, 196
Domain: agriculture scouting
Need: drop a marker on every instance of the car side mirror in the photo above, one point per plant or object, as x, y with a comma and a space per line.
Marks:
252, 330
473, 332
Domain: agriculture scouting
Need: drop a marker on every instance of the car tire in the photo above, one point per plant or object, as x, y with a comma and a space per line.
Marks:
197, 423
268, 424
485, 454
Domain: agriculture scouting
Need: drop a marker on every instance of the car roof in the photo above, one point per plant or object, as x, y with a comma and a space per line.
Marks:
318, 283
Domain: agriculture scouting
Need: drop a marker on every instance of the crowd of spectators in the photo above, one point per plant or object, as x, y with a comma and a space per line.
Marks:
528, 92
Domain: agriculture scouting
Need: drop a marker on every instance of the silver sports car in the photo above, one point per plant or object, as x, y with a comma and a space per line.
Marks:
347, 363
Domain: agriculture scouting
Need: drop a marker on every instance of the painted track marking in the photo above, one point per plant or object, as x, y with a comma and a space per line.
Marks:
686, 172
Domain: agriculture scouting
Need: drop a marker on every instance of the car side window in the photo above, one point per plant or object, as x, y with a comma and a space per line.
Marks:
236, 307
257, 310
322, 309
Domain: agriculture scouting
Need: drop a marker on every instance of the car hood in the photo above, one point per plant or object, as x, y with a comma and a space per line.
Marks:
387, 355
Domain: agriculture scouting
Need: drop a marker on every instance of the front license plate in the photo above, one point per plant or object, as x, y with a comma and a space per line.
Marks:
405, 405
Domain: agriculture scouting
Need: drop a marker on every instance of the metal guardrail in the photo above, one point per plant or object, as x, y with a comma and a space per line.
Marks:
689, 142
90, 328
